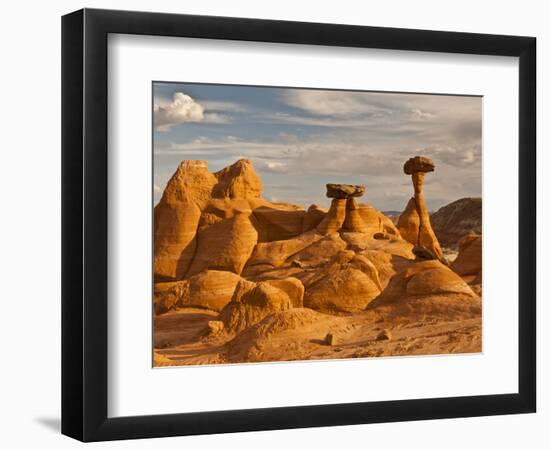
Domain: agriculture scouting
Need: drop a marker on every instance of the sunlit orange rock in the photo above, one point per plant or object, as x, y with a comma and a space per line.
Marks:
414, 223
346, 290
239, 180
252, 303
177, 217
468, 263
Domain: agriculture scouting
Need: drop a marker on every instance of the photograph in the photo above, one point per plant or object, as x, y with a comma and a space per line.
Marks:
296, 223
266, 226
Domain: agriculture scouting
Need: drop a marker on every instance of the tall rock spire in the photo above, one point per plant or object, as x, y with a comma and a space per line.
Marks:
414, 223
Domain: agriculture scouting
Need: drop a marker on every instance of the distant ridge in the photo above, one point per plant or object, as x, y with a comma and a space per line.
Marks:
456, 220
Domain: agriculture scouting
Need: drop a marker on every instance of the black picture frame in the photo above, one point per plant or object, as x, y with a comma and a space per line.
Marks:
84, 224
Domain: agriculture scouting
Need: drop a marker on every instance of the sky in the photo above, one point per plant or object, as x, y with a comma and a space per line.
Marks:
301, 139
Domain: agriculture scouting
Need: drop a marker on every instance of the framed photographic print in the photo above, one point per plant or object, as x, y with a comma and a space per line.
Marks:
273, 224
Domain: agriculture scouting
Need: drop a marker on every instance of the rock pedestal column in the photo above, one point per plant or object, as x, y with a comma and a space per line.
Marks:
343, 212
414, 223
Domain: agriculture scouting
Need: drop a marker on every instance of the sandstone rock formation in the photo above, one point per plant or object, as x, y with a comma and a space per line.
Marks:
347, 214
214, 220
345, 190
238, 181
276, 253
313, 217
414, 224
277, 334
225, 245
428, 286
346, 290
292, 287
468, 264
432, 277
211, 289
177, 217
240, 279
376, 222
251, 303
318, 252
354, 221
278, 222
334, 218
456, 220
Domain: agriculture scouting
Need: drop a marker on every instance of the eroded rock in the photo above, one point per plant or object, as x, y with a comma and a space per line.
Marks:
414, 223
345, 190
346, 290
468, 263
252, 303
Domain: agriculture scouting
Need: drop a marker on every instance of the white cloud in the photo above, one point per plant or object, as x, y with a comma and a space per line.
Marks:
334, 103
421, 115
220, 106
180, 110
335, 159
329, 122
272, 166
216, 118
363, 137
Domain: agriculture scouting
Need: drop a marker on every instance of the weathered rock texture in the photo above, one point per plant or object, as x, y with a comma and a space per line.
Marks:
414, 224
313, 217
468, 264
238, 181
240, 279
251, 303
345, 190
211, 289
177, 216
345, 290
214, 220
225, 245
456, 220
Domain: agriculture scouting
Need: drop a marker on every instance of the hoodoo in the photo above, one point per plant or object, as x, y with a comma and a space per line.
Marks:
344, 210
414, 223
239, 278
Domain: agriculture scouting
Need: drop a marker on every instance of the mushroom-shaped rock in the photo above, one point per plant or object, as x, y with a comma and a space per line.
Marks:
414, 223
345, 190
418, 164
